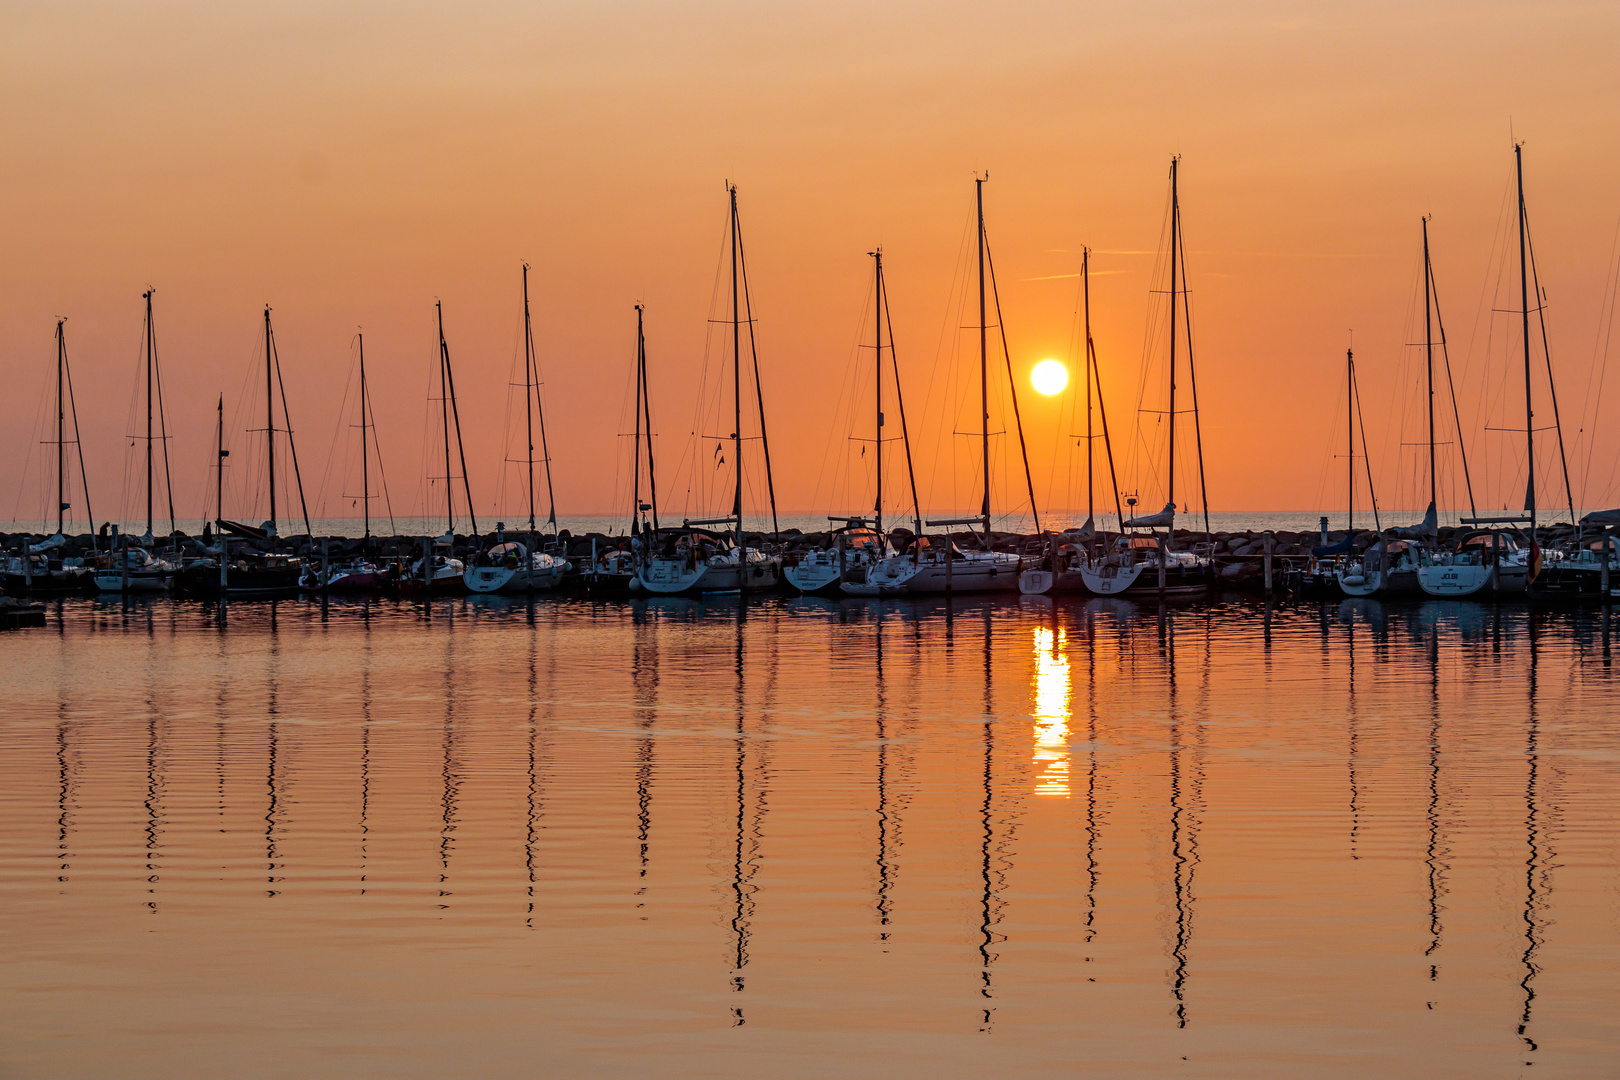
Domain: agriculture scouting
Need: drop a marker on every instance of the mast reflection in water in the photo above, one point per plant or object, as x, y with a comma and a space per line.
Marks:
809, 837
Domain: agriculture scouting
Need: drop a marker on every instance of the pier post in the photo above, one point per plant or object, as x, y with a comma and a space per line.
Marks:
326, 561
123, 576
1164, 554
1603, 575
224, 562
28, 567
1269, 540
427, 564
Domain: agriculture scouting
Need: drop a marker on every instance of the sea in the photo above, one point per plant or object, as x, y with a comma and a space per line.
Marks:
760, 836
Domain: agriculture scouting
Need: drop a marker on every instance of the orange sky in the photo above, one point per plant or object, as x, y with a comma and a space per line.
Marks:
350, 164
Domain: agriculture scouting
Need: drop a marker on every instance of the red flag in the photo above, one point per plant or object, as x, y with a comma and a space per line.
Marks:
1535, 561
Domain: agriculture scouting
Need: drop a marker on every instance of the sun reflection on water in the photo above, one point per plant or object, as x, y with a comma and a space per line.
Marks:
1051, 712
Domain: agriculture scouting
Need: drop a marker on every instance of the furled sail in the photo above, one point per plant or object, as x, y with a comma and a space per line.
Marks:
1429, 526
1163, 519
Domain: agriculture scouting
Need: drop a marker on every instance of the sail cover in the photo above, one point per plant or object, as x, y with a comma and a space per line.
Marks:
1343, 547
1163, 519
1427, 527
1084, 532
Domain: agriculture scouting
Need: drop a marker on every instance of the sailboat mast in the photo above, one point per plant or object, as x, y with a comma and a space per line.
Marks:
984, 363
528, 410
270, 423
877, 319
1350, 433
1085, 293
1175, 250
1524, 304
219, 467
1428, 352
736, 382
444, 411
61, 424
646, 415
150, 361
635, 472
365, 462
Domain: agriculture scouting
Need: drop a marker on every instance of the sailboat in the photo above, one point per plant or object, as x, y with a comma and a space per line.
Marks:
1389, 566
509, 566
934, 564
1494, 560
33, 570
359, 573
695, 559
860, 541
256, 573
613, 572
440, 571
134, 568
1148, 565
1060, 568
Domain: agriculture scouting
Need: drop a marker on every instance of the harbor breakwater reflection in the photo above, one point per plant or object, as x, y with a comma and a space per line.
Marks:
805, 836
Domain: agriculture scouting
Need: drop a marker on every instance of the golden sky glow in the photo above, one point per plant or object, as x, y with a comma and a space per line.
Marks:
348, 164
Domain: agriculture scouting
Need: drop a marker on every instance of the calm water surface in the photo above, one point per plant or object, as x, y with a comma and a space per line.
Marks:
809, 838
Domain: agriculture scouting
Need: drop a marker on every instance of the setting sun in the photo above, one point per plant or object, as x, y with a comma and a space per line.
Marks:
1049, 377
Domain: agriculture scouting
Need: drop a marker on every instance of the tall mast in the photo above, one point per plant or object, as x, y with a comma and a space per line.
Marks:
528, 411
646, 415
1524, 304
877, 319
270, 423
1175, 250
1428, 352
1085, 292
61, 423
365, 463
444, 410
150, 362
736, 381
219, 467
635, 472
1350, 433
984, 363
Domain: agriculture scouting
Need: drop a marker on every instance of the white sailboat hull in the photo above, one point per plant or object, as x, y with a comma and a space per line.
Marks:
139, 581
975, 572
506, 579
1045, 582
1471, 579
1111, 580
674, 577
812, 575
